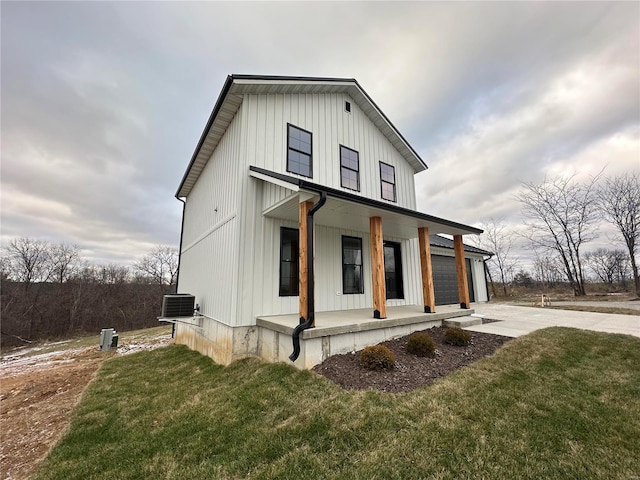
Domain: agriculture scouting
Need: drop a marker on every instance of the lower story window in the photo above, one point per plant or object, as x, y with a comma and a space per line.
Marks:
352, 279
289, 260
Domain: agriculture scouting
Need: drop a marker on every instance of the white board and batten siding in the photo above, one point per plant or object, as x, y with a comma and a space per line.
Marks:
230, 257
324, 115
264, 125
210, 245
329, 294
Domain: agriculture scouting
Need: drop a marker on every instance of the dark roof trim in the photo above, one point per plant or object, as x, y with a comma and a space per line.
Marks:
443, 242
332, 192
284, 78
212, 117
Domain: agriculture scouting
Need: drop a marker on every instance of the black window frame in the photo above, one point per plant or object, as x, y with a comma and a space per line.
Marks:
361, 265
296, 292
383, 182
301, 152
350, 169
398, 270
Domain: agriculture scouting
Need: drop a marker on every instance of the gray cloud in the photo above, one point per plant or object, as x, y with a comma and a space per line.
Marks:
103, 103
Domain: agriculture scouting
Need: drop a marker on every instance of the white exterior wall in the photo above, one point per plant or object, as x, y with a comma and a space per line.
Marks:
331, 126
328, 272
479, 278
210, 253
230, 258
264, 144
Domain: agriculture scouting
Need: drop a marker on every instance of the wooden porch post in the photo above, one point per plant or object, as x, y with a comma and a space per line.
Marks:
377, 268
428, 295
303, 274
461, 271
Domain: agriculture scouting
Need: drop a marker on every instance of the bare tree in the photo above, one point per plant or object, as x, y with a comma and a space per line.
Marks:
160, 265
48, 291
64, 260
619, 200
605, 264
6, 267
112, 274
498, 240
561, 215
29, 260
546, 268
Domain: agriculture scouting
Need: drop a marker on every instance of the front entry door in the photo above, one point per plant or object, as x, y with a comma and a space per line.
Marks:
393, 270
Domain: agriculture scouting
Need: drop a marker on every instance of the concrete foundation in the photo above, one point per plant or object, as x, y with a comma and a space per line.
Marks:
335, 333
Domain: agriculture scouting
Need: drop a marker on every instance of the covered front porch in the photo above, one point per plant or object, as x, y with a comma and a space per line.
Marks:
344, 331
315, 335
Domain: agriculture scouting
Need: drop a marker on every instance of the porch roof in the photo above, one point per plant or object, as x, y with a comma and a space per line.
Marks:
350, 211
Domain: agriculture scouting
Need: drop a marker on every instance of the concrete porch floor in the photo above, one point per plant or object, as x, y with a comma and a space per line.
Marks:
345, 331
348, 321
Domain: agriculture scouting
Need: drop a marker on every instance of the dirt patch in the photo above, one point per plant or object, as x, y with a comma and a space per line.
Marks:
38, 391
410, 371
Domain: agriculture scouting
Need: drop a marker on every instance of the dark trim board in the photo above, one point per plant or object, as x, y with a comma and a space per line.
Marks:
334, 193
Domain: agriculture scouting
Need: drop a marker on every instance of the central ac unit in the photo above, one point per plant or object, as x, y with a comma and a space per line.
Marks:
178, 305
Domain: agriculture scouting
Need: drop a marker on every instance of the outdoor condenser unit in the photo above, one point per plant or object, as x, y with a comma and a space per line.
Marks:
178, 305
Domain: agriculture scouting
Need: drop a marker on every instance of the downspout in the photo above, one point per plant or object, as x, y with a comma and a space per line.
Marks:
184, 204
303, 325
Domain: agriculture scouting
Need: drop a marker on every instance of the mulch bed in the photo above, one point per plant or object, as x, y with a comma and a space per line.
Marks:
410, 371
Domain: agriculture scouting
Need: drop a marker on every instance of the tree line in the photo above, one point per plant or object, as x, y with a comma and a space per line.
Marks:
49, 291
560, 218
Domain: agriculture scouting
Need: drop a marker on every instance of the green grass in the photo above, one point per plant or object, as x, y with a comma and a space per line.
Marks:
558, 403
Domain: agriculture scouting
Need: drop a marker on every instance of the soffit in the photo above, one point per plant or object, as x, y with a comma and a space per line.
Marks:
343, 214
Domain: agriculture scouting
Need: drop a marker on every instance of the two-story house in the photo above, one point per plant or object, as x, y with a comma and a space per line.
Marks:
299, 200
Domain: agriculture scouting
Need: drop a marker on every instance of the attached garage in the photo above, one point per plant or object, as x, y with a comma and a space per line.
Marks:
445, 280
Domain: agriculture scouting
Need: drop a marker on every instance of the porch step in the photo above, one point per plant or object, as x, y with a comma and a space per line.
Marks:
462, 322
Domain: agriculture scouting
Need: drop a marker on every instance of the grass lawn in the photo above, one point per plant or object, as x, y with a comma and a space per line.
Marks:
558, 403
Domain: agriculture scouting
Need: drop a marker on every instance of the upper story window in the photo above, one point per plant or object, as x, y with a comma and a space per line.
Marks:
349, 168
388, 181
299, 151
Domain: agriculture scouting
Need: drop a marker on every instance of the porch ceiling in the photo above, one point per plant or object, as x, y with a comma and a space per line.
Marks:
351, 212
352, 216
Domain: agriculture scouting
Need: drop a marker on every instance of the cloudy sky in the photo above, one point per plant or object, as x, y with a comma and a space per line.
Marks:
103, 103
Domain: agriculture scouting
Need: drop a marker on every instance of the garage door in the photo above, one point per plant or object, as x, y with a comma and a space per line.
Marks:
445, 281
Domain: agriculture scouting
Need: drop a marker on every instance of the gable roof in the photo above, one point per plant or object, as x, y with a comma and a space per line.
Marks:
230, 99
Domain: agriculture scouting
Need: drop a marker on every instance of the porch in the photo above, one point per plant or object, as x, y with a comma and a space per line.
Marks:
344, 331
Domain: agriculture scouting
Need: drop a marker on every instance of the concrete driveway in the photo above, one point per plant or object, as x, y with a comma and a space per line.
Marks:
516, 321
